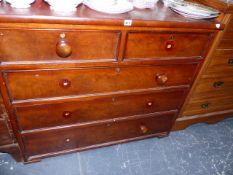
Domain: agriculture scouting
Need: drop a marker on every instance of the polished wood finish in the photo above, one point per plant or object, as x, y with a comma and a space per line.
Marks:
166, 45
31, 84
211, 98
74, 137
72, 82
83, 111
47, 45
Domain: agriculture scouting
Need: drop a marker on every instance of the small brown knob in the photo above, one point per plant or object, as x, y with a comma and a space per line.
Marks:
161, 79
65, 83
150, 104
169, 45
143, 129
67, 114
63, 48
67, 140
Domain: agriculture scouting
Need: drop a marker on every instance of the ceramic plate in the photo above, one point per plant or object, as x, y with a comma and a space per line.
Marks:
122, 6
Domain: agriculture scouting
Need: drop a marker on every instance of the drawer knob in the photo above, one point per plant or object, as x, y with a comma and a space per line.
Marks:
230, 61
218, 84
67, 140
169, 45
65, 83
63, 49
143, 129
161, 79
67, 114
150, 104
205, 105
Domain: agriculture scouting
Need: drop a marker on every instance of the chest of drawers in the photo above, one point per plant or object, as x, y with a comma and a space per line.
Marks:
211, 98
71, 85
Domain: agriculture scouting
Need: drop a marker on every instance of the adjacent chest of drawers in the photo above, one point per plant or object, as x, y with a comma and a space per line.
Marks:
212, 97
69, 87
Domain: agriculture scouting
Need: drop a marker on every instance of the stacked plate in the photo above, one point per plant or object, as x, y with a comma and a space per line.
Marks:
192, 10
110, 6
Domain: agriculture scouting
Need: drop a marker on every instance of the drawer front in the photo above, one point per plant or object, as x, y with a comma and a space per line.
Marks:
226, 44
208, 105
166, 45
5, 137
79, 137
45, 45
41, 116
221, 62
215, 85
53, 83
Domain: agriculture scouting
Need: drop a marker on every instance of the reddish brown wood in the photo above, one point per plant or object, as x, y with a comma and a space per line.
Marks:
74, 137
155, 45
46, 83
77, 81
40, 116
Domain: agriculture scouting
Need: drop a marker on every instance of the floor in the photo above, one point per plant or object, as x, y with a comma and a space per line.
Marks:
199, 150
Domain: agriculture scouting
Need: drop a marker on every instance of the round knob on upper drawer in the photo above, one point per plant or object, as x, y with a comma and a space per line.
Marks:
205, 105
150, 104
65, 83
144, 129
67, 114
161, 79
63, 48
169, 45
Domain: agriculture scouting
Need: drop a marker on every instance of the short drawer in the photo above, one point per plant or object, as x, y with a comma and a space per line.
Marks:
89, 110
58, 140
208, 105
221, 62
62, 45
215, 85
150, 45
54, 83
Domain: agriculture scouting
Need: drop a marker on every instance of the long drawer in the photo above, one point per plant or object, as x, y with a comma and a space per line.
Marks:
89, 110
31, 84
69, 138
63, 45
149, 45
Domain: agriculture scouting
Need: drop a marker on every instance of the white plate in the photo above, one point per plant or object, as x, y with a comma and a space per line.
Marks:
195, 16
122, 6
57, 5
194, 8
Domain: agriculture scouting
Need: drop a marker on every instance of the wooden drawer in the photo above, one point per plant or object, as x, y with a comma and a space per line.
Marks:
221, 62
226, 44
208, 105
215, 86
42, 45
53, 83
148, 45
5, 137
81, 111
69, 138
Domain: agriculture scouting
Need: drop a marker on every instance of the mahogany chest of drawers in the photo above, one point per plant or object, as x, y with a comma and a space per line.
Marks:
73, 84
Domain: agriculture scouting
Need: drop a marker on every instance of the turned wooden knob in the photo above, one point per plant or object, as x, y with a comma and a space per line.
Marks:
67, 114
143, 129
63, 48
65, 83
150, 104
169, 45
161, 79
205, 105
